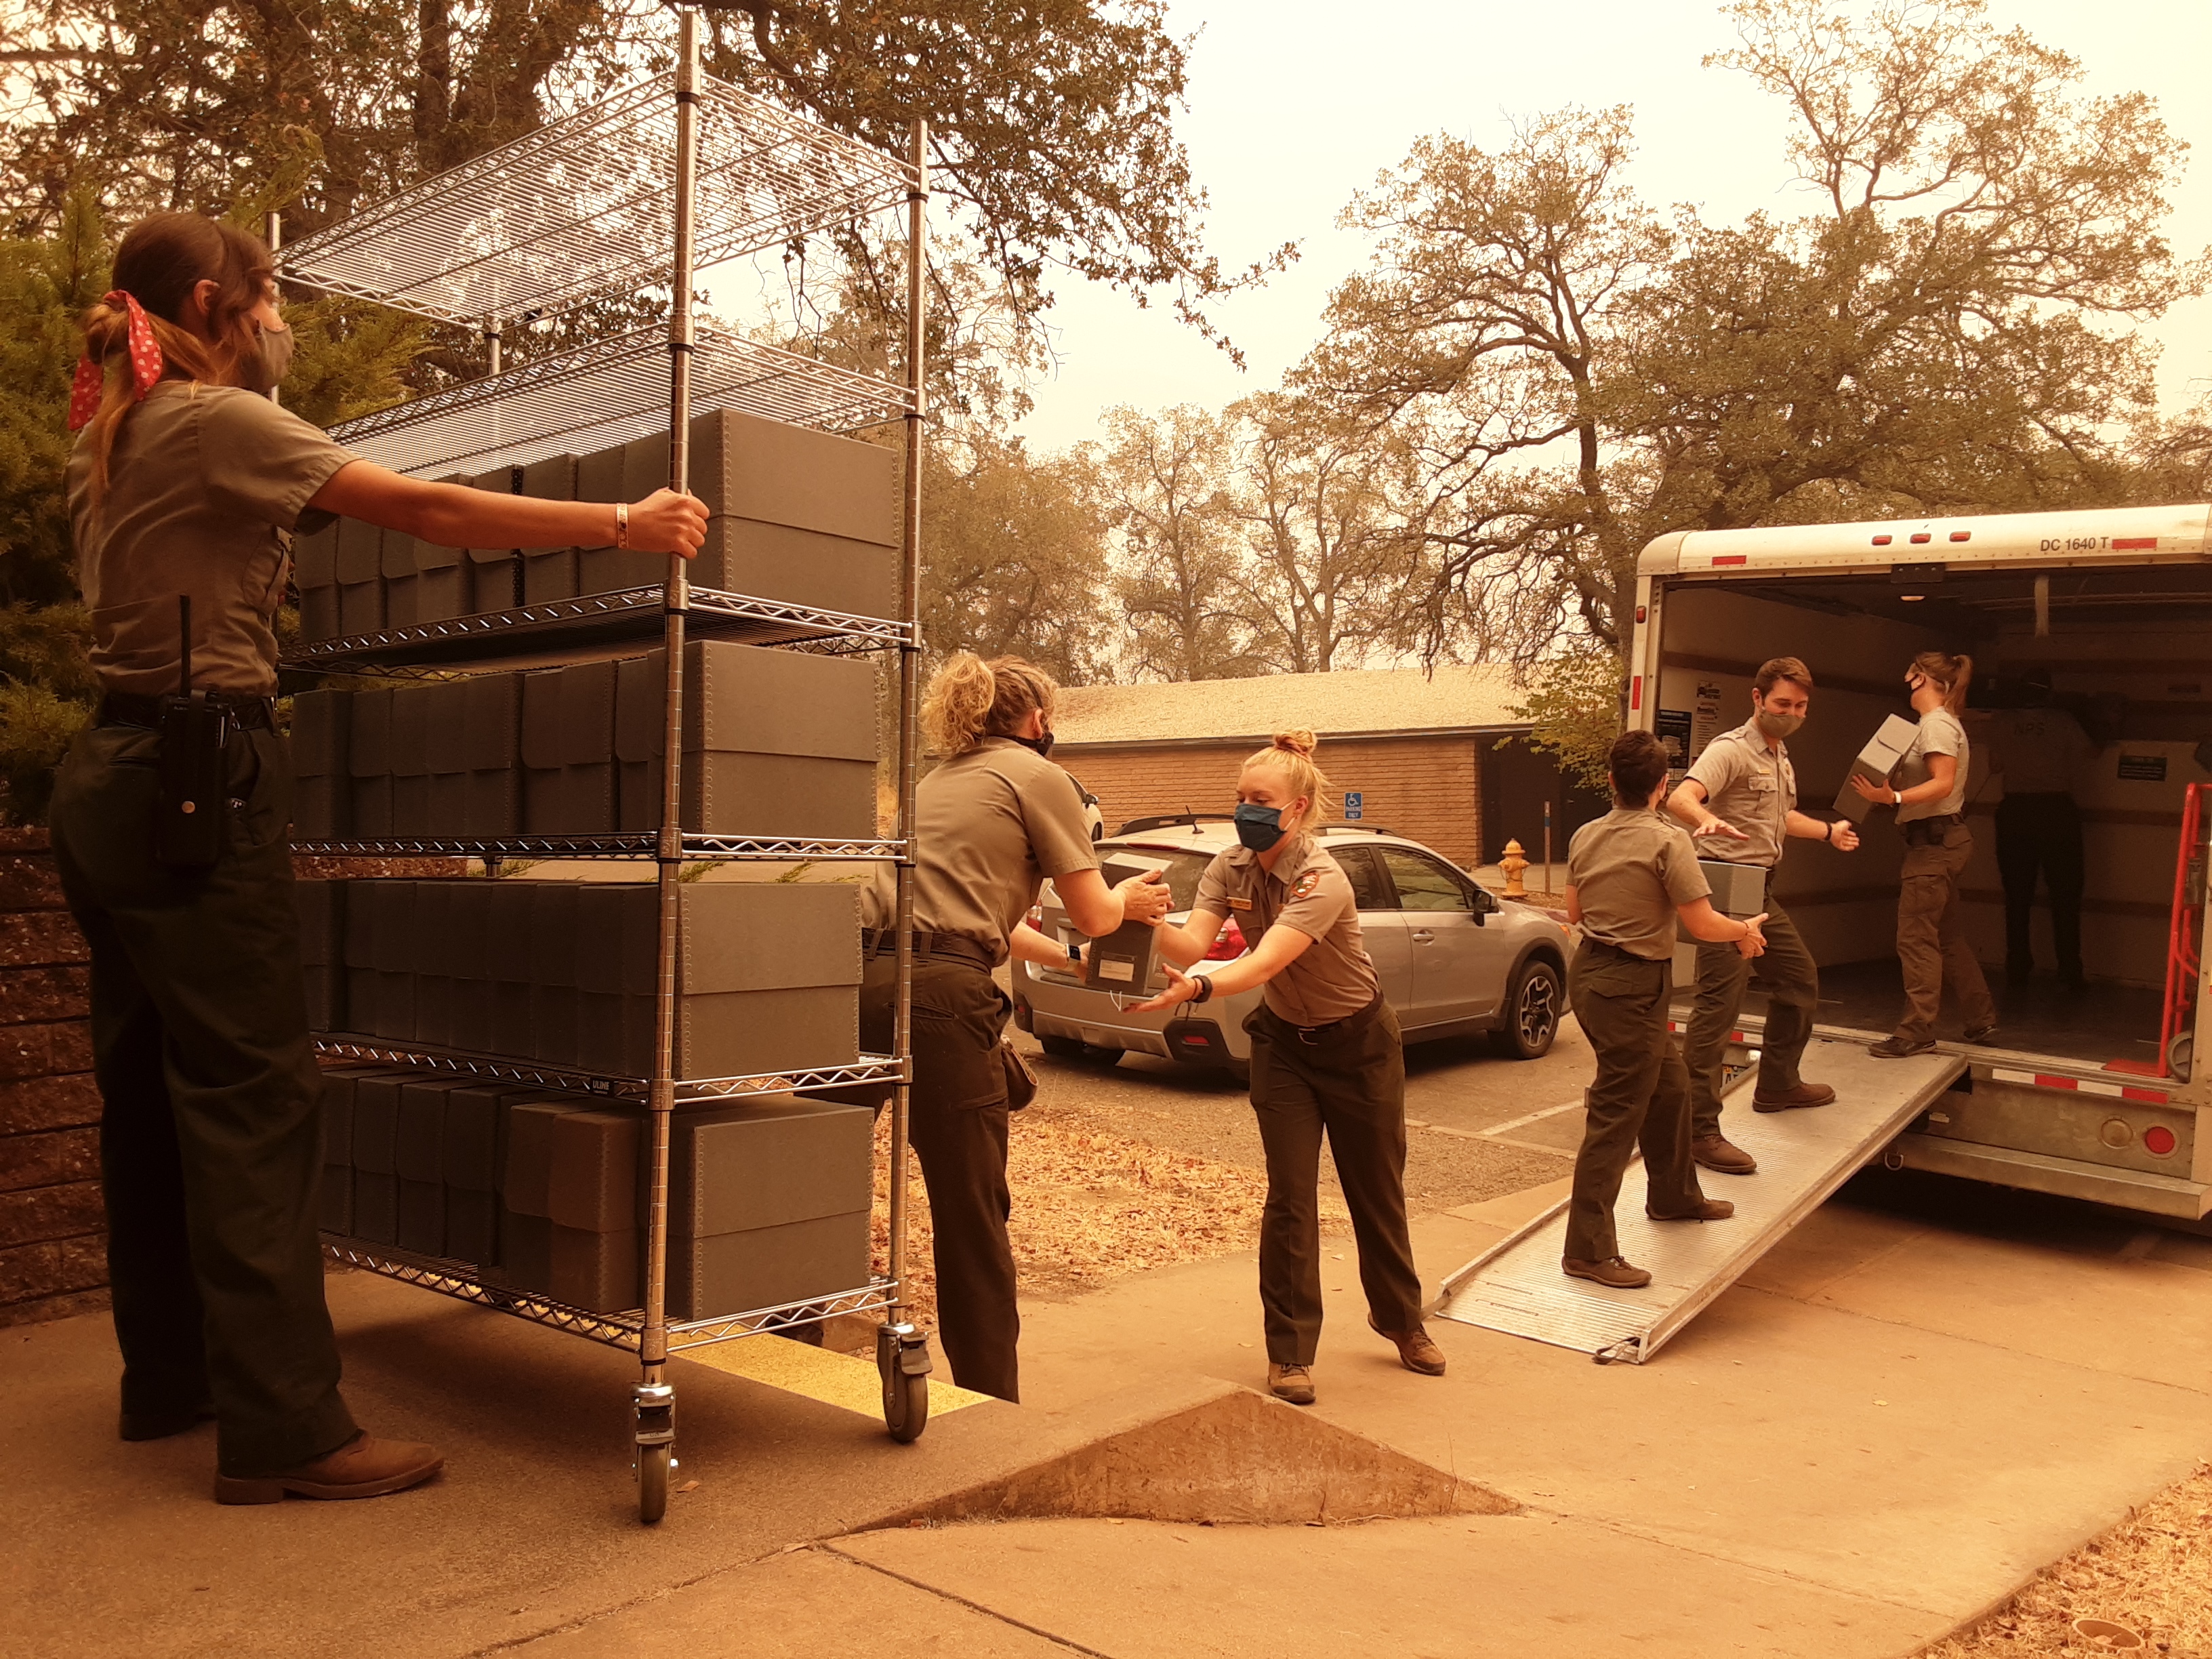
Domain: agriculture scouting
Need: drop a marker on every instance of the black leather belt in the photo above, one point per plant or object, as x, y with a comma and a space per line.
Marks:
944, 947
1919, 829
1344, 1027
132, 709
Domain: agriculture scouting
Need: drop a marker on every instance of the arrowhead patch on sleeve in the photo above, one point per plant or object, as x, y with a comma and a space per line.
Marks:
1305, 886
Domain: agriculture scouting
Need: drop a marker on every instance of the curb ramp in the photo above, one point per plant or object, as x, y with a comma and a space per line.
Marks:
1515, 1287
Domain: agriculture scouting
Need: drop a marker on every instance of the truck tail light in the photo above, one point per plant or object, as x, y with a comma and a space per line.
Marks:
1231, 943
2158, 1140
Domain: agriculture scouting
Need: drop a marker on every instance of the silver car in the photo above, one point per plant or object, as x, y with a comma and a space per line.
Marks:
1453, 959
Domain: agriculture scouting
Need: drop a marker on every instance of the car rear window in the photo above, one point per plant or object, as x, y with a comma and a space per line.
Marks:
1183, 869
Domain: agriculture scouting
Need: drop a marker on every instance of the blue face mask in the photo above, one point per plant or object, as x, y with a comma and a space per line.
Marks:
1258, 827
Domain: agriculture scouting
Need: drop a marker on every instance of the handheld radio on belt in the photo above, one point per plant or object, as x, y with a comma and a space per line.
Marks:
195, 774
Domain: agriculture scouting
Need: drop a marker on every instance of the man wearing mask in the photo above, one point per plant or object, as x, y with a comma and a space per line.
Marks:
1739, 800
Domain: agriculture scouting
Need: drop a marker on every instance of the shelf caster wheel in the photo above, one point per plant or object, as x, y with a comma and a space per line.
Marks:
656, 1449
653, 1464
902, 1360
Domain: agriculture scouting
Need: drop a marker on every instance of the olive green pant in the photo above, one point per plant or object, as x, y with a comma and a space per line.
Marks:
1931, 937
956, 1118
1639, 1099
210, 1125
1348, 1083
1792, 979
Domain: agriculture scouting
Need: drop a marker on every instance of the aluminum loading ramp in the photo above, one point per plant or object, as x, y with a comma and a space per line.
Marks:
1516, 1287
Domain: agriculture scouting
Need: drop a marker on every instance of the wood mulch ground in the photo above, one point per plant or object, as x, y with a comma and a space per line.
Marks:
2151, 1576
1090, 1206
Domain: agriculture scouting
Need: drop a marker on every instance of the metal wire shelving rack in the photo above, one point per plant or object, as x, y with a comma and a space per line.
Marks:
642, 188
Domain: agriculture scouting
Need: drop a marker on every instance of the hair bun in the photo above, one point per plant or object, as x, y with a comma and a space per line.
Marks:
1298, 741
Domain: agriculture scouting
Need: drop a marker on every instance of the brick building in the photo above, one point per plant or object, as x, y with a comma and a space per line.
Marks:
1439, 758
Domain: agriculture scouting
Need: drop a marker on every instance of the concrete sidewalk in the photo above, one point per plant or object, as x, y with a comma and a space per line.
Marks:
1900, 1415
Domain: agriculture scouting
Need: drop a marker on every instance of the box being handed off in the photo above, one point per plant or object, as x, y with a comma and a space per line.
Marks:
1875, 763
1122, 961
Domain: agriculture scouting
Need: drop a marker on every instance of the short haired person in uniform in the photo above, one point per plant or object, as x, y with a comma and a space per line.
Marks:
183, 483
1930, 794
2038, 749
992, 824
1631, 875
1741, 800
1327, 1058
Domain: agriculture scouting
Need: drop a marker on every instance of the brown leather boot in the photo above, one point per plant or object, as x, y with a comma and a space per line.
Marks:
1709, 1209
1717, 1151
1805, 1094
364, 1466
1291, 1382
1416, 1352
1614, 1271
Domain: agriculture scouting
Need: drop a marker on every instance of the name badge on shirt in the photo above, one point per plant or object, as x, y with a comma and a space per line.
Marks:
1240, 904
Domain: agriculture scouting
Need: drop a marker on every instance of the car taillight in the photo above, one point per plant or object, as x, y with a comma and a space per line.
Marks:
1037, 917
1230, 945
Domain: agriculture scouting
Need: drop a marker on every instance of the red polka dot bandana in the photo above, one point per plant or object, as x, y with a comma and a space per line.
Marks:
146, 363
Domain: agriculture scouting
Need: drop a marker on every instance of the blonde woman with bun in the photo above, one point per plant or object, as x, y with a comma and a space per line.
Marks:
1327, 1059
1929, 796
991, 823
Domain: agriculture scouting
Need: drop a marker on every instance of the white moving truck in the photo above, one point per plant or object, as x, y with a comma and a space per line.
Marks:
2086, 1093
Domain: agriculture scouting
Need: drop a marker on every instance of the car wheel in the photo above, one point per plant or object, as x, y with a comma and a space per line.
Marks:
1532, 1014
1063, 1047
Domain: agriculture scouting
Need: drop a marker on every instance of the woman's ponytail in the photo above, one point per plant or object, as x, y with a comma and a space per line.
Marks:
1950, 674
969, 699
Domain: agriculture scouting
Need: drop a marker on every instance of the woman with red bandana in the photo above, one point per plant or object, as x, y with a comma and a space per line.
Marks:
184, 486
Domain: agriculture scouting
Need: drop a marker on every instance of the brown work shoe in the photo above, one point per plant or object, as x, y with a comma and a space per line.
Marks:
1709, 1209
1614, 1271
1416, 1352
1805, 1094
364, 1466
1718, 1152
1291, 1382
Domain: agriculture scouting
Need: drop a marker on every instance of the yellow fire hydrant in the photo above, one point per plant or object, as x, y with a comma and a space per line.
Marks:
1514, 866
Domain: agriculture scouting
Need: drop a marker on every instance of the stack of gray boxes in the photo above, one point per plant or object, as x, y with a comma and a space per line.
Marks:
796, 515
563, 974
777, 743
539, 1191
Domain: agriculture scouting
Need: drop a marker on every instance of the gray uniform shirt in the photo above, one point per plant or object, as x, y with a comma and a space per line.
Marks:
2038, 750
1629, 870
1308, 892
1940, 733
1754, 788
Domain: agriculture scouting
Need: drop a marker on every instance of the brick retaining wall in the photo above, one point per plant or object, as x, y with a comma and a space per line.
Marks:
53, 1254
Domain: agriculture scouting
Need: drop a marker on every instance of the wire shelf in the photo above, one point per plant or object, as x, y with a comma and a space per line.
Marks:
567, 1079
594, 622
467, 1282
585, 206
608, 392
630, 845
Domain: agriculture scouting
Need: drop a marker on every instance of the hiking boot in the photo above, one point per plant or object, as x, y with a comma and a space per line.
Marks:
1897, 1048
1709, 1209
1416, 1352
1717, 1151
160, 1425
1291, 1382
1805, 1094
1614, 1271
364, 1466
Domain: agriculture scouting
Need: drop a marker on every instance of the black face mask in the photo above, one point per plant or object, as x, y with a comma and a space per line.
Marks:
1040, 747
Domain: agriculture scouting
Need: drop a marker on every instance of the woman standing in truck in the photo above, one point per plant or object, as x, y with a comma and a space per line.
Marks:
1929, 791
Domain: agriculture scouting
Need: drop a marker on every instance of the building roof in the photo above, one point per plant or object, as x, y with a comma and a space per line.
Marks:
1359, 702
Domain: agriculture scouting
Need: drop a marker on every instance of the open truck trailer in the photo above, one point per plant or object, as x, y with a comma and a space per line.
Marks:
2086, 1092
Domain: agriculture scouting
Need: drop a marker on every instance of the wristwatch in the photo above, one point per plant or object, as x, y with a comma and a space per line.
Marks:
1074, 950
1205, 987
1897, 797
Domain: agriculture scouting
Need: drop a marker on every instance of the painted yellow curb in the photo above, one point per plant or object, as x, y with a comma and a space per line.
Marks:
846, 1381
